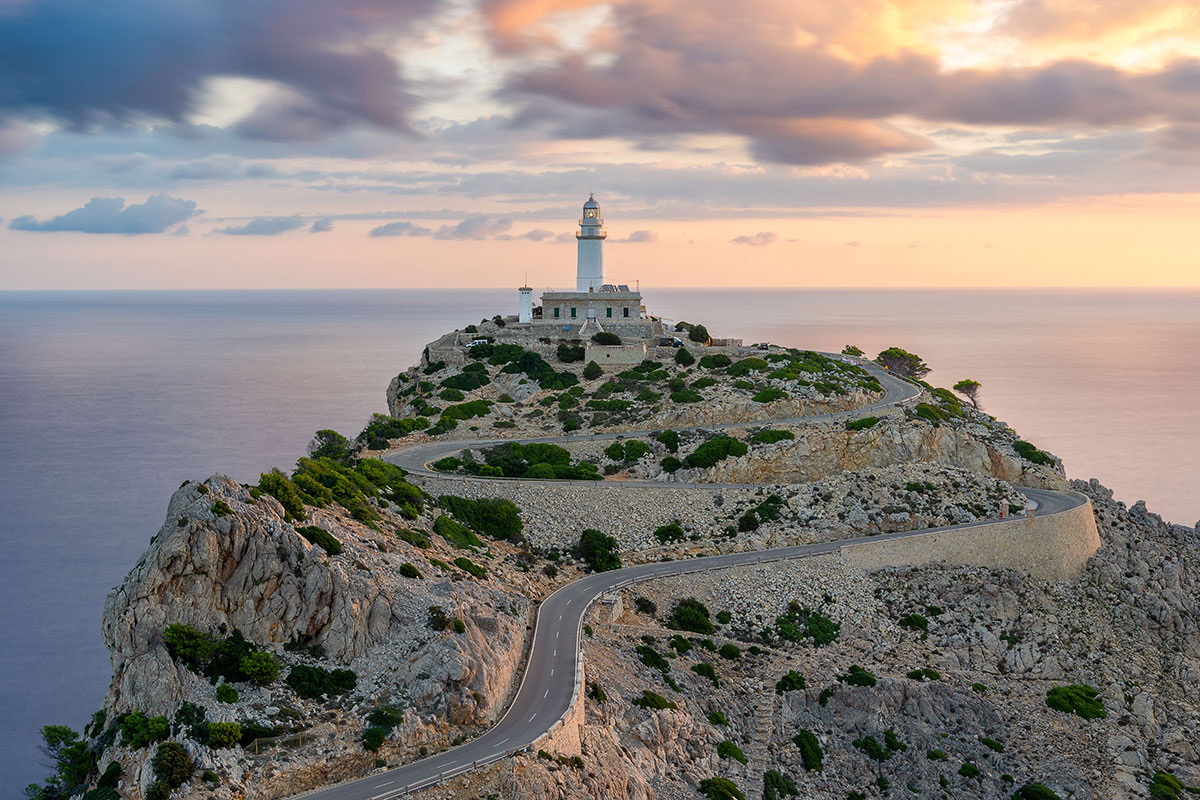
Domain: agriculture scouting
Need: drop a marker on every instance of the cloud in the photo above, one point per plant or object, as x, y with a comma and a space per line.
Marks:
264, 226
322, 225
111, 215
538, 235
855, 243
16, 136
638, 237
476, 226
88, 63
759, 239
400, 229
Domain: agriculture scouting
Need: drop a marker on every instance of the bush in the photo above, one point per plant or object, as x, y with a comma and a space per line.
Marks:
469, 566
448, 464
872, 749
654, 701
570, 352
596, 692
714, 450
706, 670
699, 333
857, 676
810, 750
791, 682
260, 668
1036, 791
862, 424
903, 363
158, 791
969, 770
747, 365
747, 522
138, 730
607, 338
769, 395
223, 734
729, 651
717, 718
494, 517
669, 440
776, 784
455, 533
686, 396
592, 371
923, 673
1165, 786
451, 395
715, 361
771, 437
720, 789
914, 622
407, 570
691, 615
382, 427
373, 738
728, 749
669, 533
226, 693
321, 538
1030, 453
313, 682
645, 605
1078, 699
652, 658
936, 755
598, 550
683, 358
991, 744
172, 764
280, 486
466, 381
671, 464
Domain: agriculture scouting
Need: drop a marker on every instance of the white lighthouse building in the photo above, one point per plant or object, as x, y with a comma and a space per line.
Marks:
590, 263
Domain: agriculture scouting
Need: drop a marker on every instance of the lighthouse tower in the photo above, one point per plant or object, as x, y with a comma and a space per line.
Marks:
590, 269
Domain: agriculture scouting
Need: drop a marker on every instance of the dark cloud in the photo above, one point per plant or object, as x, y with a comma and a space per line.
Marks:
322, 225
759, 239
400, 229
638, 237
87, 63
264, 226
111, 215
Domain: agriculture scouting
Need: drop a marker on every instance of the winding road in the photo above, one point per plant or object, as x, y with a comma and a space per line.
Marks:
551, 677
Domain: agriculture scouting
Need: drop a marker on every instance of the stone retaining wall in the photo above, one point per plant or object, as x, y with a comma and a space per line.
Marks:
1053, 547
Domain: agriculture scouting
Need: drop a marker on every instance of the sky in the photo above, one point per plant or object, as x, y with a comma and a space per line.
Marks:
418, 143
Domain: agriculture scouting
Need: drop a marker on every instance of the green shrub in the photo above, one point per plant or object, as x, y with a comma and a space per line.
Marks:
791, 682
679, 644
699, 333
715, 361
683, 358
451, 395
415, 538
978, 688
686, 396
654, 701
1030, 453
892, 742
691, 615
208, 776
936, 755
652, 658
221, 508
924, 673
768, 395
669, 440
598, 551
720, 789
110, 777
373, 738
729, 651
1078, 699
466, 381
714, 450
872, 749
968, 770
381, 428
747, 522
494, 517
223, 734
728, 749
606, 338
914, 622
747, 365
138, 730
158, 791
313, 682
407, 570
456, 533
991, 744
226, 693
280, 486
671, 464
862, 424
469, 566
260, 668
724, 617
857, 676
706, 670
703, 383
1035, 791
596, 692
776, 785
810, 750
592, 371
717, 718
569, 352
1165, 786
800, 622
321, 538
669, 533
448, 464
772, 436
172, 764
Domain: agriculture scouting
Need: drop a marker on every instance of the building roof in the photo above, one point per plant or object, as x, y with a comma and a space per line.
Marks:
591, 202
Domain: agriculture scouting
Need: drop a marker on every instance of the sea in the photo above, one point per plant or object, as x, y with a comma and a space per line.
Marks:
110, 400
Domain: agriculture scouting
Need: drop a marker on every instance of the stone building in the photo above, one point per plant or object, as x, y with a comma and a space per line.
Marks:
594, 306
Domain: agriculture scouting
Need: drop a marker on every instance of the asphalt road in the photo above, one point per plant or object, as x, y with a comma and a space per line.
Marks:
550, 678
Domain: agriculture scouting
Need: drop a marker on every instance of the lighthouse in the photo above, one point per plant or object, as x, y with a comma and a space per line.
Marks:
589, 276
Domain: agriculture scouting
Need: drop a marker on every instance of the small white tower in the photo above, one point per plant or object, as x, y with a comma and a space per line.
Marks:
525, 310
591, 236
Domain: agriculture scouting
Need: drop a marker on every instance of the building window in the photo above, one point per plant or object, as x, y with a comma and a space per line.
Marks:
556, 312
572, 312
608, 311
626, 310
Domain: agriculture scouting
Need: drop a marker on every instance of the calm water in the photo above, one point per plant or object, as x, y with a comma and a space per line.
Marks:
108, 401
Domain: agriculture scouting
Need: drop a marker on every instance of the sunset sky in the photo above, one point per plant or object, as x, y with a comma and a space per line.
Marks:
391, 143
